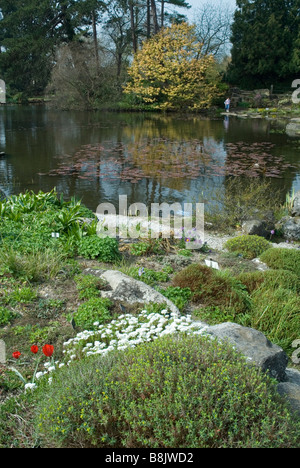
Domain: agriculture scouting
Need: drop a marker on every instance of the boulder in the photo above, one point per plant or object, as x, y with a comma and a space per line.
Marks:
255, 227
129, 290
2, 352
290, 227
291, 392
254, 345
293, 128
296, 205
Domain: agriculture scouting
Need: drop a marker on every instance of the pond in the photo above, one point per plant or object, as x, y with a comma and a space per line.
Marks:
151, 158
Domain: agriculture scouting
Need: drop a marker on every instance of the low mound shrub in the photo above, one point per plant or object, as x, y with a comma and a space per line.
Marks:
248, 246
212, 287
282, 259
271, 279
177, 392
276, 313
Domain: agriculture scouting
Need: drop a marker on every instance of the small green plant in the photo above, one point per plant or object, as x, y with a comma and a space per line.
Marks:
95, 309
148, 276
248, 246
282, 259
185, 253
6, 316
149, 247
89, 286
24, 295
104, 249
179, 296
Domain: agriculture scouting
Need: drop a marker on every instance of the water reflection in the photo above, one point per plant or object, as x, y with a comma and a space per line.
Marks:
150, 158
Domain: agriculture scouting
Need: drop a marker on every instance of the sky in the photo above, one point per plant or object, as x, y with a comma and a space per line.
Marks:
198, 3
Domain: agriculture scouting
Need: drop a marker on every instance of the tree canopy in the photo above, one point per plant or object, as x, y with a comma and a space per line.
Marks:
265, 39
170, 72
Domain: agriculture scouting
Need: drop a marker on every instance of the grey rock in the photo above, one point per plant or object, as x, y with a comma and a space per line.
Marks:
129, 290
255, 227
293, 376
2, 352
296, 205
290, 227
254, 346
291, 392
293, 128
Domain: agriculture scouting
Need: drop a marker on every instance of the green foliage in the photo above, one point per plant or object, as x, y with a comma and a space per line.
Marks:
213, 288
270, 279
144, 248
89, 286
275, 313
282, 259
6, 316
248, 246
179, 296
24, 295
95, 309
104, 249
148, 276
36, 266
176, 392
264, 53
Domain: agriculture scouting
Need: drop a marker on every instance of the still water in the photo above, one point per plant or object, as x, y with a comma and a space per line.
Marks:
97, 156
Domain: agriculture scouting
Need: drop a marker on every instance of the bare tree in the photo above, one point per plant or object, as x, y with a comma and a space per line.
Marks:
213, 27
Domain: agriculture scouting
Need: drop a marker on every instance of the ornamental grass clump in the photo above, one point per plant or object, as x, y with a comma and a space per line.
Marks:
177, 392
271, 279
282, 259
248, 246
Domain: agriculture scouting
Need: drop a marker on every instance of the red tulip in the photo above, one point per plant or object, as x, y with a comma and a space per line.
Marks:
34, 349
48, 350
16, 354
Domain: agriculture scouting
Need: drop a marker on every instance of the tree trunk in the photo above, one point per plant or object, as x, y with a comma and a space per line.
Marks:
133, 29
96, 42
154, 15
148, 19
162, 13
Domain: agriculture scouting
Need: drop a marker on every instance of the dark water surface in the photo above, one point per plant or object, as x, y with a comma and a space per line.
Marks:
98, 156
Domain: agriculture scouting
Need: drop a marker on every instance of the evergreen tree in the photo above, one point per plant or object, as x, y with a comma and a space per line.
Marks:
264, 38
29, 32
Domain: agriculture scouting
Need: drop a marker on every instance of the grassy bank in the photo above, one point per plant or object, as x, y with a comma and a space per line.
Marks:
45, 298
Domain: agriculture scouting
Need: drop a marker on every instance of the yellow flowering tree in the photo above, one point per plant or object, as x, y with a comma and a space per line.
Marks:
171, 73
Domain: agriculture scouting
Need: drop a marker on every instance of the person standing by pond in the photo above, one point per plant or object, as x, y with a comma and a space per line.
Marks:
227, 104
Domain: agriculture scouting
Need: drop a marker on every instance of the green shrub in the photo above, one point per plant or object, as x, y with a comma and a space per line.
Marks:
276, 313
282, 259
248, 246
104, 249
95, 309
271, 279
176, 392
6, 316
213, 287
